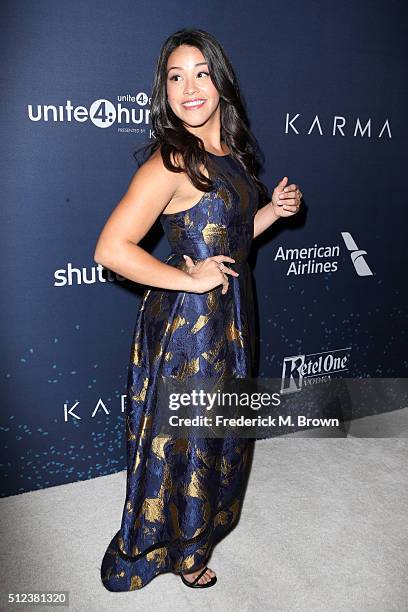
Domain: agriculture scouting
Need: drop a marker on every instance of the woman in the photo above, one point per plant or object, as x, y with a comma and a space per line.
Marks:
196, 319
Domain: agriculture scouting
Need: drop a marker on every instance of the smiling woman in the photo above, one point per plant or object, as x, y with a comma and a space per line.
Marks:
196, 321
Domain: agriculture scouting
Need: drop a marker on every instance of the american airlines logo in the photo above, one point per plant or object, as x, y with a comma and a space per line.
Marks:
319, 259
356, 255
101, 113
300, 371
339, 126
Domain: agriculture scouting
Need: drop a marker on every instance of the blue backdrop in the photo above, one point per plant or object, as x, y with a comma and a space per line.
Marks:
325, 88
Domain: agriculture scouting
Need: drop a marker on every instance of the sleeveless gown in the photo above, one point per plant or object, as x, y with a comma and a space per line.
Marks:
184, 495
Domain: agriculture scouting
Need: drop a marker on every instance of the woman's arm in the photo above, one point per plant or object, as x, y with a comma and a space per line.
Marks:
149, 192
264, 218
285, 203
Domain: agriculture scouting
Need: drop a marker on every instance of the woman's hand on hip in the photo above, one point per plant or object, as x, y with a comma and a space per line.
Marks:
210, 272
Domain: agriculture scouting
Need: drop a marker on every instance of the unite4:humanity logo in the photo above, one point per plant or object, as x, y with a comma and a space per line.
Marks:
101, 113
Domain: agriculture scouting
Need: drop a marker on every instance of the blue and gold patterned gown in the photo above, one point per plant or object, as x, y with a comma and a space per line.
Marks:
184, 495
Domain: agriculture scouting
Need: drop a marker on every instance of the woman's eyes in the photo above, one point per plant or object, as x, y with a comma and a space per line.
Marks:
173, 78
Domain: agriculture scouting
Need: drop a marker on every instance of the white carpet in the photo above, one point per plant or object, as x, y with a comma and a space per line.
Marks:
323, 529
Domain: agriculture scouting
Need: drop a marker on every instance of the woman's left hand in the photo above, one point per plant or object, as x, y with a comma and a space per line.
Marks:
286, 199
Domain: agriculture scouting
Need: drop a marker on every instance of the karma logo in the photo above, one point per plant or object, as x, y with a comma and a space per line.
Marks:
338, 126
299, 371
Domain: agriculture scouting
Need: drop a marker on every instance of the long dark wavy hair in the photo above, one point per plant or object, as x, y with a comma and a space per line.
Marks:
171, 135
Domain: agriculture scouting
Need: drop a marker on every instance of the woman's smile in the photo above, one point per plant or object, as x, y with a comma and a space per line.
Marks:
194, 104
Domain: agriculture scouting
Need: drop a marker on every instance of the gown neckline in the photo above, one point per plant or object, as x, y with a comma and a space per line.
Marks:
209, 152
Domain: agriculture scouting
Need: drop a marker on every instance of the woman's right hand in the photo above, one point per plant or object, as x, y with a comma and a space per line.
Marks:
210, 272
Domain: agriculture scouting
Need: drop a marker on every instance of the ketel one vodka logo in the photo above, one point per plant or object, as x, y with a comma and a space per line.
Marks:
301, 370
356, 255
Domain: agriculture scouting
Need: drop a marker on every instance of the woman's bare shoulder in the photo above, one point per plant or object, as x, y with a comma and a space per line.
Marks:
155, 161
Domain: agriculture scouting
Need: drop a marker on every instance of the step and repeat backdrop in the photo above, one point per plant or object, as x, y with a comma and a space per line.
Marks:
325, 89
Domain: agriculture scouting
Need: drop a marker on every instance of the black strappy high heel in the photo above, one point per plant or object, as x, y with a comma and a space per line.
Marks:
193, 584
